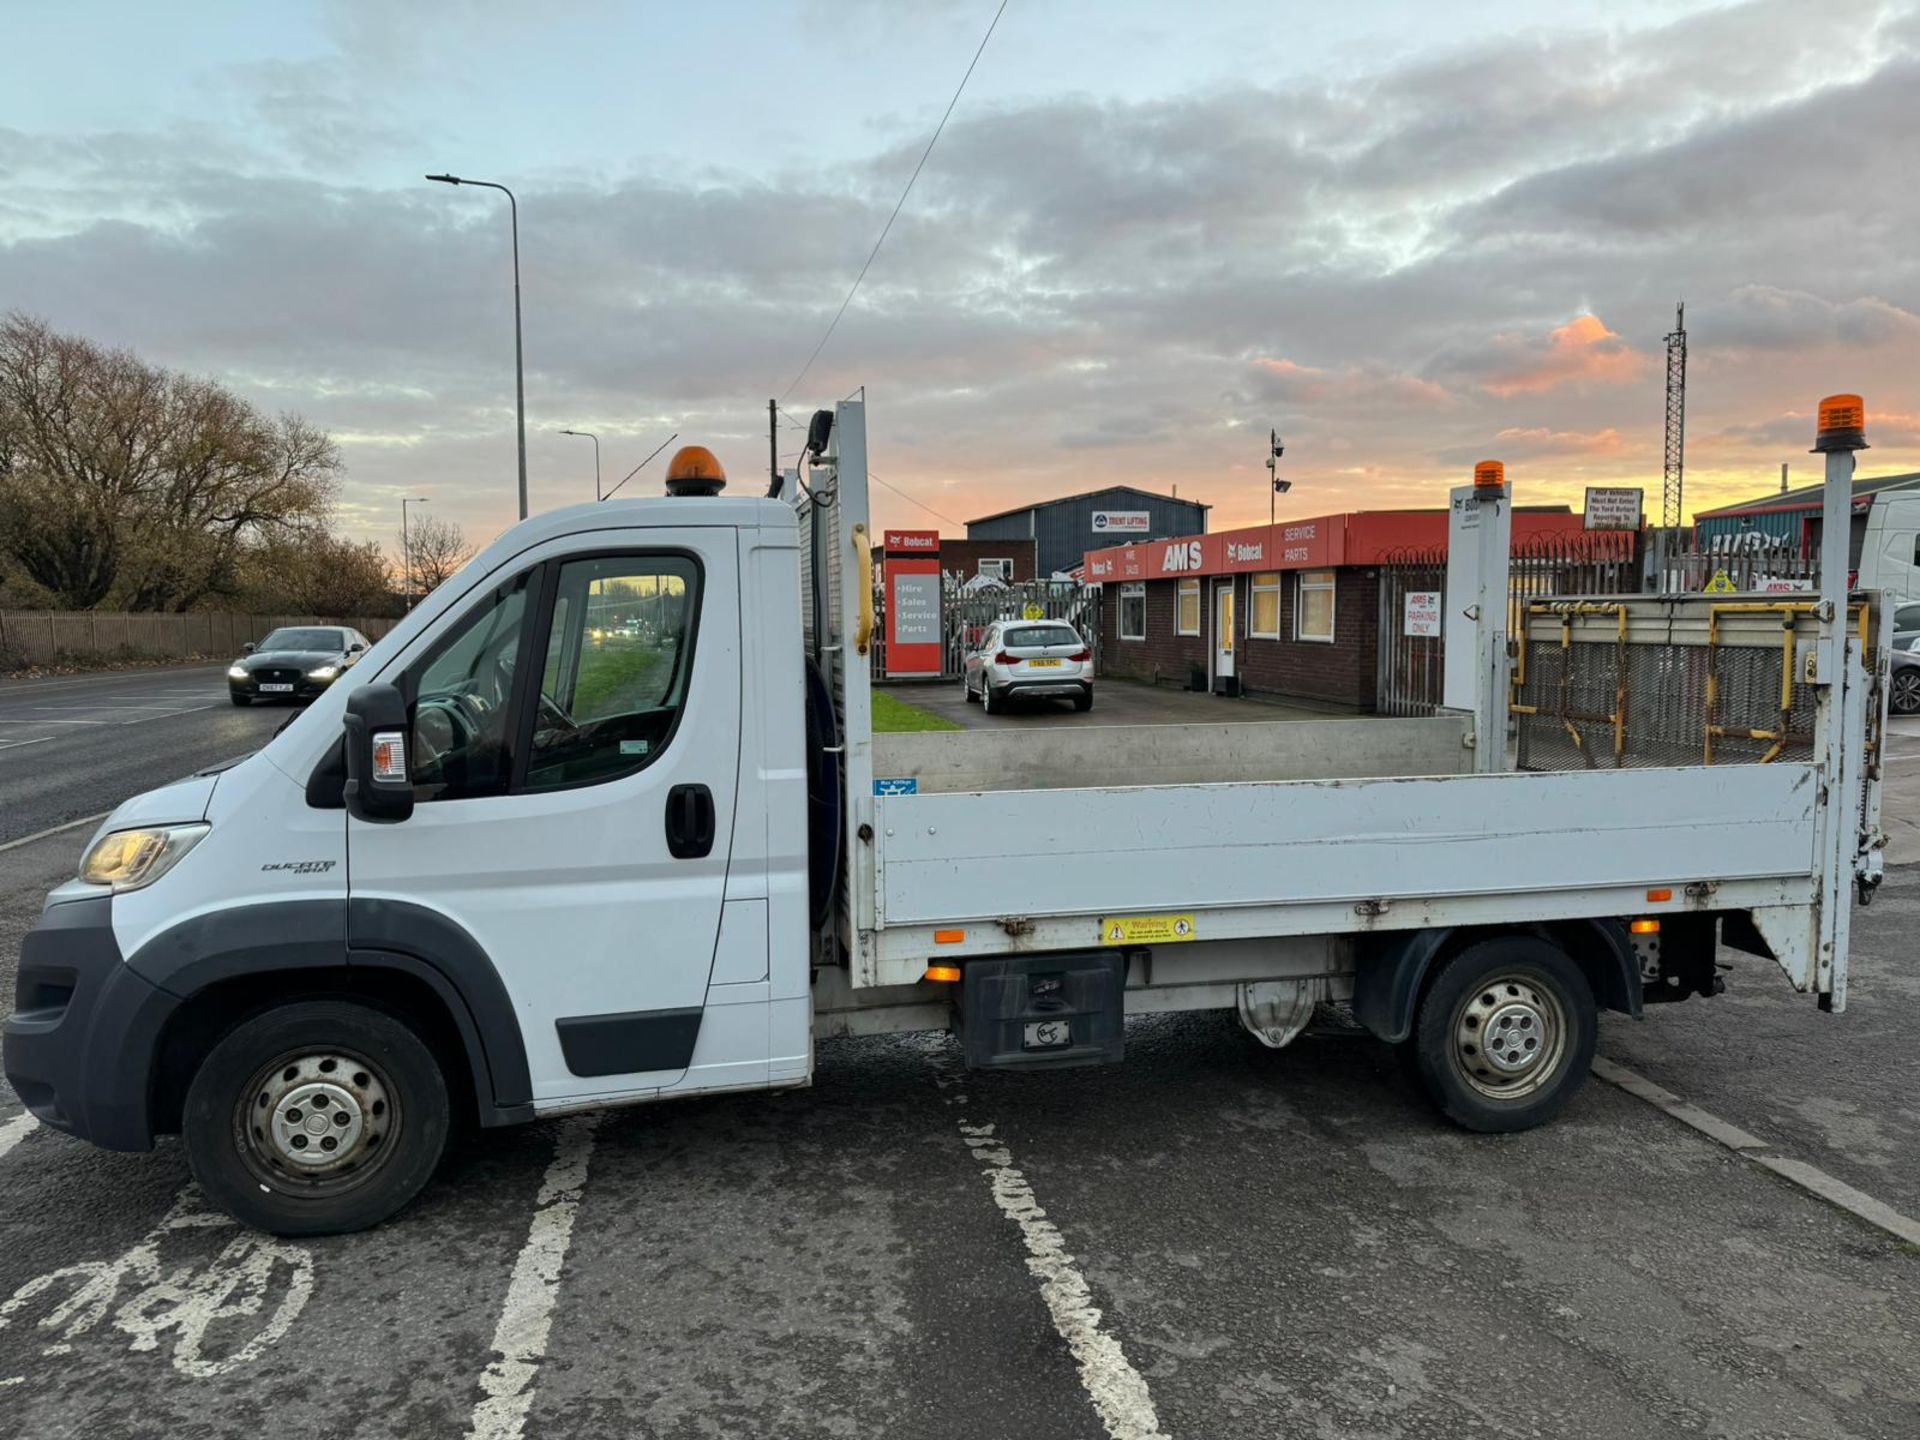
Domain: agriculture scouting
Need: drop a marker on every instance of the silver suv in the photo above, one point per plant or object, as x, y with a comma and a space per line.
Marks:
1045, 659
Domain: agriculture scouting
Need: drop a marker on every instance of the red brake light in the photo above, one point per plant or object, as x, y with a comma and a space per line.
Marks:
1080, 657
1003, 658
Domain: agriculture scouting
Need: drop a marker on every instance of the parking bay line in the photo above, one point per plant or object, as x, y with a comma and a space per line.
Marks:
16, 744
1810, 1178
16, 1130
1118, 1391
526, 1316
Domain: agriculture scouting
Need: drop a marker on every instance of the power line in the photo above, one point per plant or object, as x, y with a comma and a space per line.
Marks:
911, 501
833, 324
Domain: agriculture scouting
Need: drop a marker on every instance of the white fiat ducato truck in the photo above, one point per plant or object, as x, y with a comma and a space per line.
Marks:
604, 821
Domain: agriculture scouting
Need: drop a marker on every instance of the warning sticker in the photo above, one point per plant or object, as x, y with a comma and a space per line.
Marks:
1720, 584
1147, 930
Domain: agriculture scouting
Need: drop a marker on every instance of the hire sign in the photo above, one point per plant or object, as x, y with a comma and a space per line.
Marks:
914, 632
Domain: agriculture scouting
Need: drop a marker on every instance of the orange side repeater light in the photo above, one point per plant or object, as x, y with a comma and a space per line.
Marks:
946, 974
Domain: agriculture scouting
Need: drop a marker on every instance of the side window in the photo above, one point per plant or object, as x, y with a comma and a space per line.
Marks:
462, 745
614, 680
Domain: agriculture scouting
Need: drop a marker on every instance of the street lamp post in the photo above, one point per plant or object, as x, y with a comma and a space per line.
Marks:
596, 456
519, 368
406, 550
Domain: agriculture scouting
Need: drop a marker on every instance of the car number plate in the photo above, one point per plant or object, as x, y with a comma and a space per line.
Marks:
1044, 664
1049, 1034
276, 689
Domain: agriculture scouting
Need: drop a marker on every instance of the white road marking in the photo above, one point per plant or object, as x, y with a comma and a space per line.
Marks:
1810, 1178
1117, 1390
54, 830
16, 744
526, 1317
16, 1130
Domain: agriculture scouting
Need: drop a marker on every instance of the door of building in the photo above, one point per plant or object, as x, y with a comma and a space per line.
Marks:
1223, 637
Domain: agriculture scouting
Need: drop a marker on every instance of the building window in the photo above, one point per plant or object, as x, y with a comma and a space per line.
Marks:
1187, 617
998, 569
1313, 615
1263, 622
1133, 611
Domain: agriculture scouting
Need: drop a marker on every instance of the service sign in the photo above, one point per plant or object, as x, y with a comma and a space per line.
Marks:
1423, 614
914, 640
1611, 507
1122, 522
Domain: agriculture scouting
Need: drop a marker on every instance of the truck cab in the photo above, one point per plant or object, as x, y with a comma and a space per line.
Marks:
596, 890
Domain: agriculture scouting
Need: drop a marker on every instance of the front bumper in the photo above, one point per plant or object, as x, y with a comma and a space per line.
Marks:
304, 688
79, 1045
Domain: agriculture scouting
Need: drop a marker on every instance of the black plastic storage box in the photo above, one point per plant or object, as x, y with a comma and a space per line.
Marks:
1044, 1012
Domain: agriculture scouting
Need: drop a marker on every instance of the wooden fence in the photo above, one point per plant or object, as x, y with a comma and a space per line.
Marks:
42, 636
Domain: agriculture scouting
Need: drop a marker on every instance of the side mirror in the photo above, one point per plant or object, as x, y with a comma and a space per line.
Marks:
247, 649
356, 648
379, 786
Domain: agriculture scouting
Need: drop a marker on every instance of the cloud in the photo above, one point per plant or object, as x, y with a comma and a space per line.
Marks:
1583, 350
1395, 267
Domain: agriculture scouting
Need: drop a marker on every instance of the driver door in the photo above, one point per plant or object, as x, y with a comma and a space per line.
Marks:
575, 762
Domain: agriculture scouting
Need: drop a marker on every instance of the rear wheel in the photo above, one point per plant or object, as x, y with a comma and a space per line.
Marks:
1904, 691
991, 700
1083, 703
1505, 1034
317, 1117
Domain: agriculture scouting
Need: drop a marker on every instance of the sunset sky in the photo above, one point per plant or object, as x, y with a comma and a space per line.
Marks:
1409, 236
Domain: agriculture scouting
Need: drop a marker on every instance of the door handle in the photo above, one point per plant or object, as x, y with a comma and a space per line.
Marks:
690, 817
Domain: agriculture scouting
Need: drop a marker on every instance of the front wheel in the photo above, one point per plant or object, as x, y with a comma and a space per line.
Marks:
317, 1117
1505, 1035
966, 690
240, 699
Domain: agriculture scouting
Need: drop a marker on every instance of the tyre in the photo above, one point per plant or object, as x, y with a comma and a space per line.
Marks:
1083, 703
1505, 1034
239, 699
1903, 691
966, 690
317, 1117
991, 700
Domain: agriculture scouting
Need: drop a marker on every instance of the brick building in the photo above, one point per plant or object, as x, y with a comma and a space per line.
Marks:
1289, 610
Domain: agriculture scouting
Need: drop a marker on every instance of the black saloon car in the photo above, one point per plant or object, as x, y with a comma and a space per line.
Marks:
296, 662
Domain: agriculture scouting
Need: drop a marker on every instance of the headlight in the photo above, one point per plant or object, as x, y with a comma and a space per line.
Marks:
128, 859
236, 672
325, 672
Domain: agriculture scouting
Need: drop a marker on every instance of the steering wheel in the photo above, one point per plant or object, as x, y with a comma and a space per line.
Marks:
441, 726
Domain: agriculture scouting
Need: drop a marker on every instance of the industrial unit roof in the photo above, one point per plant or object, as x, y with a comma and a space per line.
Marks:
1088, 495
1808, 497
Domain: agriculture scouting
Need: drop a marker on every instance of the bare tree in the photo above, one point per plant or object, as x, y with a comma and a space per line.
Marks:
313, 572
122, 480
435, 548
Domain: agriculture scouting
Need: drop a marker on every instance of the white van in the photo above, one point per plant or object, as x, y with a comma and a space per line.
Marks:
604, 821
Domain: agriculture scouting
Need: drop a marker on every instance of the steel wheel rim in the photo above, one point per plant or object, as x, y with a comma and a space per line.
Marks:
1509, 1037
317, 1121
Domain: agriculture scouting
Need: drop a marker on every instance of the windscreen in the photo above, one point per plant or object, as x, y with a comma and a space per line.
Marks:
304, 640
1030, 637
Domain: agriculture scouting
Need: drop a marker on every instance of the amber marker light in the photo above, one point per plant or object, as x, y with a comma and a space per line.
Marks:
1489, 475
944, 974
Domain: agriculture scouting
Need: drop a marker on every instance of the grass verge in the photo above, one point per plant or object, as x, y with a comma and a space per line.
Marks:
894, 716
